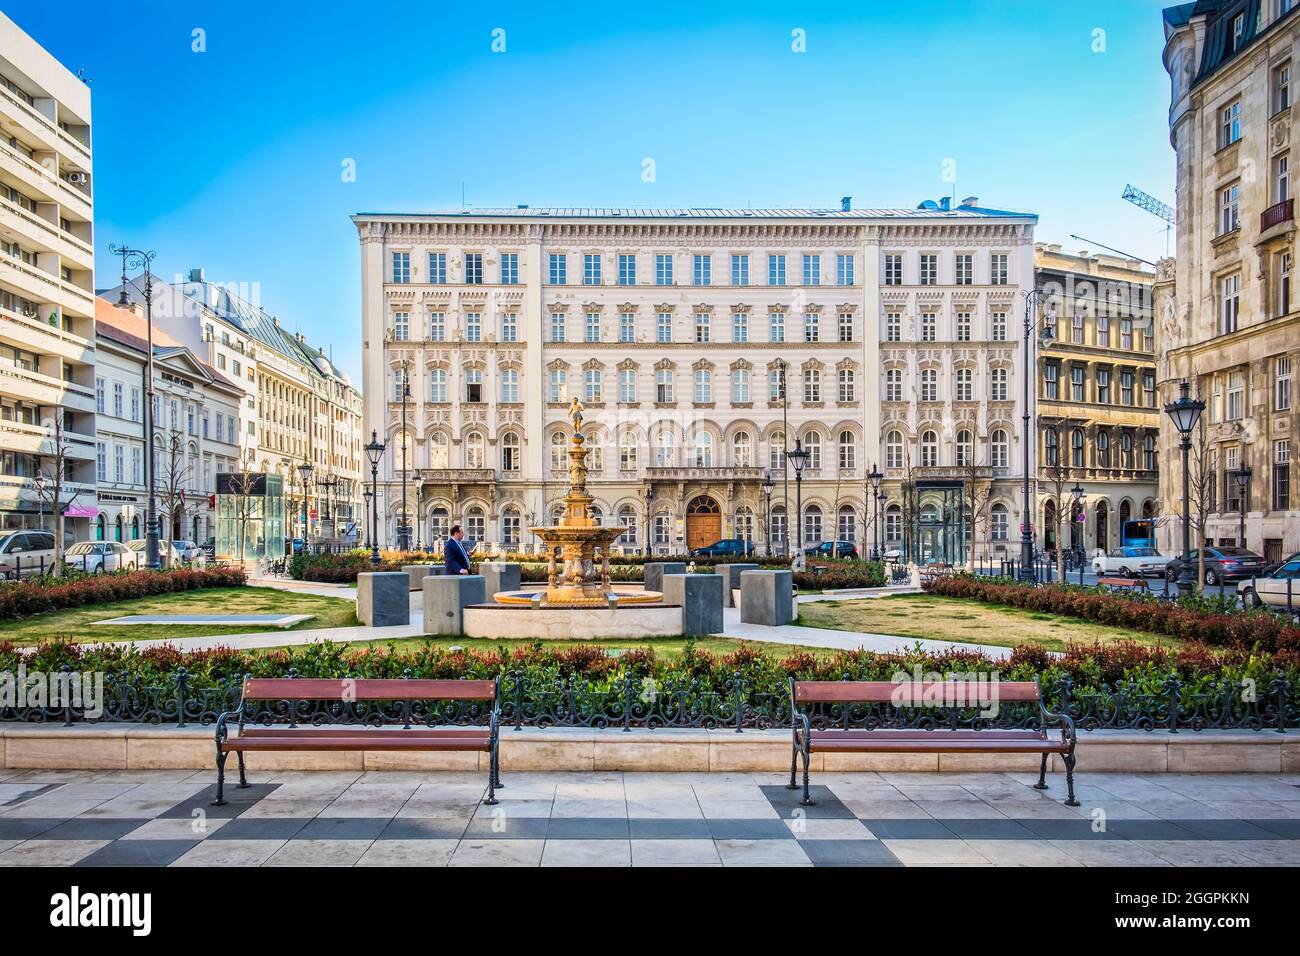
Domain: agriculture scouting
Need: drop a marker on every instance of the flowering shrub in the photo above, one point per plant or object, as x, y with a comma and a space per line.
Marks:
1192, 621
36, 596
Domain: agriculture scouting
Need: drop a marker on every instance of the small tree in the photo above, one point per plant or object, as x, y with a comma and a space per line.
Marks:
976, 500
52, 478
1202, 480
1058, 476
242, 482
175, 474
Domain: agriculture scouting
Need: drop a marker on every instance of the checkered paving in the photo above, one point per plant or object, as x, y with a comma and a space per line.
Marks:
164, 818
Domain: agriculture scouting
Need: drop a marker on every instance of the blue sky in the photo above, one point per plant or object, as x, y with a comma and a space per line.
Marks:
231, 158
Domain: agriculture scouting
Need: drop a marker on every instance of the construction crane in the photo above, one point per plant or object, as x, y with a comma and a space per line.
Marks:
1152, 205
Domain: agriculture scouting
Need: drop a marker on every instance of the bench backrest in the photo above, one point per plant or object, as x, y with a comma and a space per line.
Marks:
883, 692
317, 688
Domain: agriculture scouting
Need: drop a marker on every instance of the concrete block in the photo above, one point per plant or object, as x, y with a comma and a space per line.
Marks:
445, 599
655, 571
730, 574
416, 573
499, 576
383, 598
700, 596
765, 597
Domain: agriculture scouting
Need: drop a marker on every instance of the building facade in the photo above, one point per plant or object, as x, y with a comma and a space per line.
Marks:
297, 407
1098, 418
1227, 316
703, 344
47, 300
196, 432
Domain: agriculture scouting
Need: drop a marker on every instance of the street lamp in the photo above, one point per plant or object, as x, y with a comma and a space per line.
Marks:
374, 451
767, 520
1032, 299
785, 443
419, 505
1077, 493
305, 470
1242, 475
798, 458
875, 478
329, 483
1185, 412
366, 514
649, 503
144, 260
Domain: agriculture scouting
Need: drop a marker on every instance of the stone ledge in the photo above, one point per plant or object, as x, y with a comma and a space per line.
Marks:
155, 747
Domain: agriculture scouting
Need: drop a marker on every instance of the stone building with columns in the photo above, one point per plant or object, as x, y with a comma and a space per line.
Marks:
1228, 321
703, 343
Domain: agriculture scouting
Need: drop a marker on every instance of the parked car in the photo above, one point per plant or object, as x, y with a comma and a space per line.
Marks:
1221, 564
832, 549
726, 548
168, 556
893, 554
1271, 588
1131, 561
191, 554
210, 548
96, 557
1277, 564
26, 553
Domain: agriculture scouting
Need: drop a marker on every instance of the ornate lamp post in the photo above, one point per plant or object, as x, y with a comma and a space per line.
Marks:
144, 261
419, 504
785, 442
305, 470
328, 484
374, 452
366, 514
1077, 493
875, 478
798, 458
1032, 298
649, 503
1242, 475
1185, 412
767, 509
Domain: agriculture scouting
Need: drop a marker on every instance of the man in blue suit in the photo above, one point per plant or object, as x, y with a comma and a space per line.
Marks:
455, 558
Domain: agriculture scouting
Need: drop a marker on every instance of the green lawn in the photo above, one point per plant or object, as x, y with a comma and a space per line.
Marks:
79, 624
955, 619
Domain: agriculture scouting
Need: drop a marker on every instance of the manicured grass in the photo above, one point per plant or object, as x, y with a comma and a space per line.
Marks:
665, 647
78, 624
954, 619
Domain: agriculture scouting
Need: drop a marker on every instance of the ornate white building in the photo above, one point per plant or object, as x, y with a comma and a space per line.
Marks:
895, 330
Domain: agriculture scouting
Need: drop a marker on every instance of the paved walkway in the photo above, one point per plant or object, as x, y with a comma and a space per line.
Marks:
316, 818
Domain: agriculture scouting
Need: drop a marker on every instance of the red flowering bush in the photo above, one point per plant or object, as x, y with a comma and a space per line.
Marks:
37, 596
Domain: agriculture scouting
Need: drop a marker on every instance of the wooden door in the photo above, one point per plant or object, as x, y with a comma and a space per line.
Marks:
703, 523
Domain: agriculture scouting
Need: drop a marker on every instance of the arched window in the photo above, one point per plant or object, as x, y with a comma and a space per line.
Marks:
812, 525
929, 449
812, 443
745, 525
894, 450
1053, 451
812, 385
597, 514
1126, 448
965, 385
998, 443
627, 521
703, 386
662, 526
559, 449
135, 528
847, 528
627, 451
965, 449
739, 386
1076, 447
475, 525
118, 527
848, 385
776, 451
742, 452
998, 522
439, 450
848, 451
474, 450
595, 452
893, 523
510, 459
780, 526
99, 527
665, 449
438, 385
703, 450
1149, 453
511, 526
893, 385
929, 385
1103, 449
998, 385
1125, 512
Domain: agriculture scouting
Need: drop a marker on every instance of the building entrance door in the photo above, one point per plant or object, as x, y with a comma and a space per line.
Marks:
703, 522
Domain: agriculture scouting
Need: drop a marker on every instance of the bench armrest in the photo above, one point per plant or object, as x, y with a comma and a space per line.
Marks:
224, 718
1065, 721
494, 721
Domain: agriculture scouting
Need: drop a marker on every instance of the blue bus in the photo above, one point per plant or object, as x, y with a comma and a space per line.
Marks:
1138, 534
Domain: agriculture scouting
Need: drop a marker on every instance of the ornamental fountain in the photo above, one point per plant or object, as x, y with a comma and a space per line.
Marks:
578, 547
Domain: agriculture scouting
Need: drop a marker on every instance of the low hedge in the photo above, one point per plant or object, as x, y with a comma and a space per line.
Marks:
1197, 619
37, 596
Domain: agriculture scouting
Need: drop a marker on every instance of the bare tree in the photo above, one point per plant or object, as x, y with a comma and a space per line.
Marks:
1202, 481
976, 500
50, 483
176, 473
1058, 476
242, 484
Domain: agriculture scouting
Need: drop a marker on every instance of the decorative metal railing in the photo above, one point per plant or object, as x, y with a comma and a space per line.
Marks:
630, 702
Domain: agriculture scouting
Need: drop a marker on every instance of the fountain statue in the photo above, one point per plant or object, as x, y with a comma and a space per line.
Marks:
578, 547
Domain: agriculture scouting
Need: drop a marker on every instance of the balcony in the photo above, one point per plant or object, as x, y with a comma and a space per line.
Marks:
452, 476
1276, 215
703, 473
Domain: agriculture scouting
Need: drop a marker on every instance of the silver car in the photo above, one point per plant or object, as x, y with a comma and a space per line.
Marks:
26, 554
96, 557
1272, 588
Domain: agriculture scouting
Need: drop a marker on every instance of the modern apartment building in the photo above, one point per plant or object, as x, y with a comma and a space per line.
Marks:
196, 431
1097, 414
1228, 320
297, 407
703, 343
47, 300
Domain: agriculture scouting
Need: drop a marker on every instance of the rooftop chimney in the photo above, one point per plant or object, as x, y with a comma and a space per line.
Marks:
971, 201
846, 204
944, 203
196, 275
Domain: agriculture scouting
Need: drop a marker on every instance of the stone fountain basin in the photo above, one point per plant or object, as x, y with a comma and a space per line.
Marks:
493, 621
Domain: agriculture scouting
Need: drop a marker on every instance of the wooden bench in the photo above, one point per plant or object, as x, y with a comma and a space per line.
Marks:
307, 737
1123, 584
957, 696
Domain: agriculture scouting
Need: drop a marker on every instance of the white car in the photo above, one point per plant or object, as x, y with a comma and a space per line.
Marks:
1272, 589
191, 554
1131, 562
168, 556
96, 557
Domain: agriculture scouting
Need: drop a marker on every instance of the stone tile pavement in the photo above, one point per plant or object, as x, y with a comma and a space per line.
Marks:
323, 818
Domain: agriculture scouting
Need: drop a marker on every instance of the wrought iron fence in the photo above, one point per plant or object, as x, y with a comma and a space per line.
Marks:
630, 702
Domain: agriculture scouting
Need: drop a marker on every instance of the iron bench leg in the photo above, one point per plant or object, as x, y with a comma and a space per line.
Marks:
219, 800
493, 773
1042, 775
807, 801
243, 780
794, 763
1070, 801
